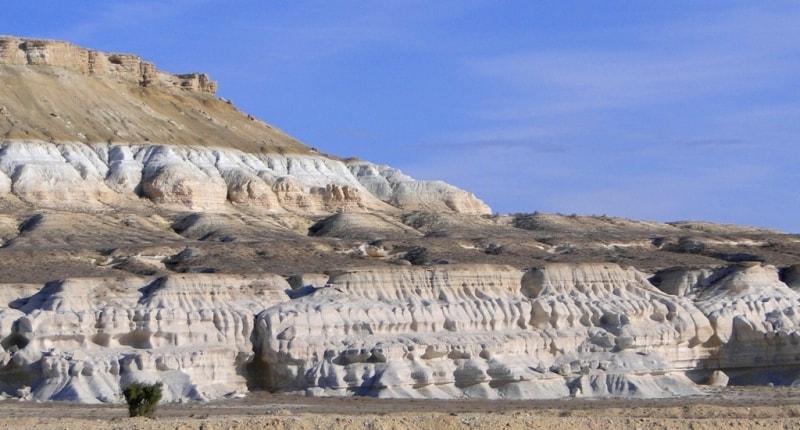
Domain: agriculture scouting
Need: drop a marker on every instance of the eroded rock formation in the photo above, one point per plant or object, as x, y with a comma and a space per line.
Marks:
150, 231
81, 339
135, 131
66, 56
447, 331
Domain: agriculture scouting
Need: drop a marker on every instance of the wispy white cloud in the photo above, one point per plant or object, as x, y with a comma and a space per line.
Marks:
570, 81
310, 31
736, 52
770, 27
115, 15
712, 143
499, 144
692, 119
519, 132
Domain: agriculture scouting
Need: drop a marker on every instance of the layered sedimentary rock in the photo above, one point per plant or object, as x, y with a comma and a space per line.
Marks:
496, 332
448, 331
79, 175
82, 339
483, 331
391, 185
64, 55
151, 231
138, 132
753, 313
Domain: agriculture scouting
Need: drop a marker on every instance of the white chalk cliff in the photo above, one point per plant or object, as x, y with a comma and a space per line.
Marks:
136, 132
445, 332
151, 231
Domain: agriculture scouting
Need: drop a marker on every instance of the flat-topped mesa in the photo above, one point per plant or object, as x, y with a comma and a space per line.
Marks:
84, 130
37, 52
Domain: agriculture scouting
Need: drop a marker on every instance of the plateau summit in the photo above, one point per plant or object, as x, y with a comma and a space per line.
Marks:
151, 231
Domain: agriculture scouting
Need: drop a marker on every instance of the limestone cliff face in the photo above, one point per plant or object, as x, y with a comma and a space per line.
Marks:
398, 189
83, 176
495, 332
82, 339
753, 314
87, 129
404, 330
615, 309
64, 55
476, 331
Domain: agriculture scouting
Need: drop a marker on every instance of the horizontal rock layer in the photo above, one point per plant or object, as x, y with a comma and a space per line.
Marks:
446, 331
83, 129
53, 53
85, 176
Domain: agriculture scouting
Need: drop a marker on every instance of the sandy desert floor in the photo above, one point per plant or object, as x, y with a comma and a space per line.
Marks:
730, 408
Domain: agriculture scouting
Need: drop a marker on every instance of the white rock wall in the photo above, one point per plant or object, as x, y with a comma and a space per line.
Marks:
587, 329
84, 339
444, 331
398, 189
81, 176
754, 316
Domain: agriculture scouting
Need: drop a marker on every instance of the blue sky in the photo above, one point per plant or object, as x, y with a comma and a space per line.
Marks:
648, 110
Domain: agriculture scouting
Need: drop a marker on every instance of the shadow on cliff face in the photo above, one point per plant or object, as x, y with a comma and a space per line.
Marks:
256, 371
18, 373
14, 377
753, 357
44, 299
257, 375
754, 316
781, 376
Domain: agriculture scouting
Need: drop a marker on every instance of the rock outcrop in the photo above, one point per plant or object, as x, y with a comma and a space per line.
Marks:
490, 332
445, 332
150, 231
64, 55
139, 132
82, 339
398, 189
80, 175
561, 330
754, 315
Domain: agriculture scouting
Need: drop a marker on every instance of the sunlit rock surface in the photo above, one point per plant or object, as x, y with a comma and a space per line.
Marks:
81, 339
445, 332
151, 231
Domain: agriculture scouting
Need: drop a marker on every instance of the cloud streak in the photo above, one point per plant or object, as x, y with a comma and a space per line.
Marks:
498, 144
113, 16
701, 60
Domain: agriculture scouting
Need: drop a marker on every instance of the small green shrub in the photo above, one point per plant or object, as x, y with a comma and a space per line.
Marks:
142, 398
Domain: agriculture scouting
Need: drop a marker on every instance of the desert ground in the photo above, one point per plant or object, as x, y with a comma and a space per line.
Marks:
730, 408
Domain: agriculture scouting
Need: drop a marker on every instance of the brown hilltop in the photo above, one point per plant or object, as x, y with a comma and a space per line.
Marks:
58, 92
